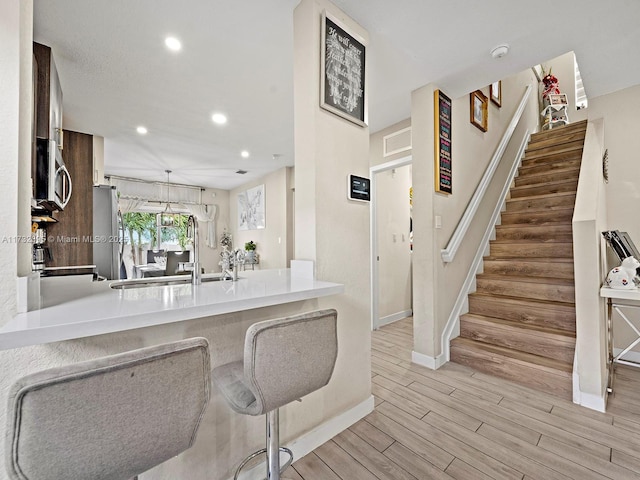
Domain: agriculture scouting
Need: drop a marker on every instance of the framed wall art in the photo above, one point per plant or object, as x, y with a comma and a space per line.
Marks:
342, 72
442, 142
251, 209
496, 93
478, 110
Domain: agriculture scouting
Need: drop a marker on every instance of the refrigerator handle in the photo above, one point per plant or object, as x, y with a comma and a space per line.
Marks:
121, 235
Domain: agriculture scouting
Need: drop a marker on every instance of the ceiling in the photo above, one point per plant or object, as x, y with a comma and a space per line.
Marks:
237, 58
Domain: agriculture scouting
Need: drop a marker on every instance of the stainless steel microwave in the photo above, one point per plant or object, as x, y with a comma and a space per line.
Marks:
52, 181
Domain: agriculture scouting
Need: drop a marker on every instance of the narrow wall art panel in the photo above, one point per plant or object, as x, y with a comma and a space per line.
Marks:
251, 209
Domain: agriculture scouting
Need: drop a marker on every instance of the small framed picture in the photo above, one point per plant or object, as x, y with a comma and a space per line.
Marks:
496, 93
558, 99
478, 108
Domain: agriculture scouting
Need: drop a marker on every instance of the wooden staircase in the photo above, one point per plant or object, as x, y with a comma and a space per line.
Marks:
521, 321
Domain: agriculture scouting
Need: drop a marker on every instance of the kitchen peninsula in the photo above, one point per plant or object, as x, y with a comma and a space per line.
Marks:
75, 307
81, 319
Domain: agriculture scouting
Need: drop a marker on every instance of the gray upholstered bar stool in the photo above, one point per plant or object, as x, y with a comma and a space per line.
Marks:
284, 360
111, 418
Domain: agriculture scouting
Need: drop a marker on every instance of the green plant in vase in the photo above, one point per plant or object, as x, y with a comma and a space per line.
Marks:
250, 251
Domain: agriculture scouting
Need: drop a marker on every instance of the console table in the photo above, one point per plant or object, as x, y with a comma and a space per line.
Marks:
620, 300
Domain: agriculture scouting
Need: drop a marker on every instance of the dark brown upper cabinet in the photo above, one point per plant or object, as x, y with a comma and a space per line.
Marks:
48, 95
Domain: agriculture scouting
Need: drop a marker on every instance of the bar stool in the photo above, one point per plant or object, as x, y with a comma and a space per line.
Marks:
111, 418
284, 360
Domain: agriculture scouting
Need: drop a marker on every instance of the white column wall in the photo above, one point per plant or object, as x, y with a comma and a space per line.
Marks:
329, 229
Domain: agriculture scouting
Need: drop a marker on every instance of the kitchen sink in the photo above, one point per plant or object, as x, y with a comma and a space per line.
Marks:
160, 281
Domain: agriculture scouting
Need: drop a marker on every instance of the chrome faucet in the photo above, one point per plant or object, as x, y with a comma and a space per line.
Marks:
192, 233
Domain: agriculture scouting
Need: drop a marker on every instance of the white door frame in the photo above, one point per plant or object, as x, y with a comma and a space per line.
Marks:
373, 229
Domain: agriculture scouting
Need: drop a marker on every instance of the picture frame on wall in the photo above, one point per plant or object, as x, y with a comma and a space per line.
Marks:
251, 209
495, 93
479, 115
443, 144
343, 89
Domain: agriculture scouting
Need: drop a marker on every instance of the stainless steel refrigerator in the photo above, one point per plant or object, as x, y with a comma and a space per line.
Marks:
108, 233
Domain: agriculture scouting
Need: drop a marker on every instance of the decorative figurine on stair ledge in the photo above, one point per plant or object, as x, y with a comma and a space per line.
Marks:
623, 277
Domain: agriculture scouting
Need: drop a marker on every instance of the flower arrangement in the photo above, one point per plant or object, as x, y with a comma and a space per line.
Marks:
551, 85
225, 240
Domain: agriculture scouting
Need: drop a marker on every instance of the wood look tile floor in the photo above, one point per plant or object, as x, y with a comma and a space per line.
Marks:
456, 423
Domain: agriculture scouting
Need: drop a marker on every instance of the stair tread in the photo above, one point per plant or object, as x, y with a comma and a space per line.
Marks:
543, 363
558, 131
523, 171
526, 279
523, 241
564, 137
528, 259
563, 181
551, 304
530, 328
528, 226
542, 196
556, 211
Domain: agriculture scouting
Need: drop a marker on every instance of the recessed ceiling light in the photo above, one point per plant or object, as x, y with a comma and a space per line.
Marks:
219, 118
173, 44
244, 154
142, 130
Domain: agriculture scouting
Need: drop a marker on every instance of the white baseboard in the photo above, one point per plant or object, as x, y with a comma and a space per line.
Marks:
309, 441
594, 402
430, 362
392, 318
587, 400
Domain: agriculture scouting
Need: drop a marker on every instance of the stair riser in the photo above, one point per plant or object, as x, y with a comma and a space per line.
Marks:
559, 316
551, 346
529, 191
536, 291
541, 178
543, 234
547, 237
556, 133
551, 159
571, 148
534, 269
502, 367
539, 250
536, 218
557, 140
560, 201
550, 167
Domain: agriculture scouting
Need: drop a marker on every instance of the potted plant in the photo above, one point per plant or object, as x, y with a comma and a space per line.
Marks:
250, 249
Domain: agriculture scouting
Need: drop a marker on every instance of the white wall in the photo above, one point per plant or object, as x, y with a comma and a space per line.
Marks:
272, 241
436, 284
621, 125
16, 34
376, 147
393, 218
329, 229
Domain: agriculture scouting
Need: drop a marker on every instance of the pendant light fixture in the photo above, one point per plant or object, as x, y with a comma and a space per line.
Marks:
168, 218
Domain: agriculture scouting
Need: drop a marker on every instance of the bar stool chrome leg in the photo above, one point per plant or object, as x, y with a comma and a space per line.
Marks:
272, 451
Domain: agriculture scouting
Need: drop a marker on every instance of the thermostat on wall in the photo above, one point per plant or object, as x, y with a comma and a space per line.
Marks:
358, 188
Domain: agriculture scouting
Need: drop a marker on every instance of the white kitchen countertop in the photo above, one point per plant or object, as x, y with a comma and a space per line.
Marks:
75, 307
